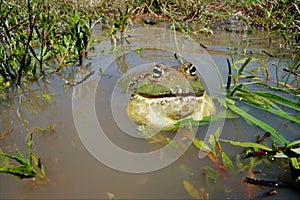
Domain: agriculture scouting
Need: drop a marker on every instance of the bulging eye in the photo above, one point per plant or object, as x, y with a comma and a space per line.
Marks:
193, 70
190, 69
157, 71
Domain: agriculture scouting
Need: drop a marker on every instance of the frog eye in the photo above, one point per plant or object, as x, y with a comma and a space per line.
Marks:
190, 69
157, 71
193, 70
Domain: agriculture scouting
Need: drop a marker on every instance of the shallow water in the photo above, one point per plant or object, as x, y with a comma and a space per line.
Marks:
79, 159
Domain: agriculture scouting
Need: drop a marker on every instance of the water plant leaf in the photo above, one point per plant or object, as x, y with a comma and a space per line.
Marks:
29, 146
212, 141
4, 160
280, 100
193, 192
27, 169
22, 171
226, 161
229, 75
19, 158
295, 169
47, 97
205, 120
200, 144
296, 150
211, 175
276, 136
294, 143
264, 104
280, 155
244, 65
295, 163
247, 144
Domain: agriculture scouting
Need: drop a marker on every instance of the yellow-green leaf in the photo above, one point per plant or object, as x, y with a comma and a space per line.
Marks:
193, 192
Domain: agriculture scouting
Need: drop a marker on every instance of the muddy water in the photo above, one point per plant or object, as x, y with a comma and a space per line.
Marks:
81, 164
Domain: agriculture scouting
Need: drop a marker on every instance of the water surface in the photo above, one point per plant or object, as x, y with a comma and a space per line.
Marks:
73, 172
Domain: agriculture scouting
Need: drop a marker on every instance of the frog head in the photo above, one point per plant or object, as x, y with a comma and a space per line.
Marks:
161, 96
164, 81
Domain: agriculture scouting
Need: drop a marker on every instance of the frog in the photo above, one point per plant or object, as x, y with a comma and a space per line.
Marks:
163, 95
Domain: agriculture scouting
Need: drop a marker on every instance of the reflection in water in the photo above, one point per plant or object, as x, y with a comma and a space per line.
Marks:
74, 173
121, 63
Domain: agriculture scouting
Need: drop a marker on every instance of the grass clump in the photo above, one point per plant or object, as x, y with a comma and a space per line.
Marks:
39, 34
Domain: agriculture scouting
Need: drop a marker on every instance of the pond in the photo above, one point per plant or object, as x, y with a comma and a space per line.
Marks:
93, 150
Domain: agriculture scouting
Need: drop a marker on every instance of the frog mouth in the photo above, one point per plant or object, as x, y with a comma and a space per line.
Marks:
188, 94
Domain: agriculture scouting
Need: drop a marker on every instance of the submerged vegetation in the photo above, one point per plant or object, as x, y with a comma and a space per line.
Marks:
38, 38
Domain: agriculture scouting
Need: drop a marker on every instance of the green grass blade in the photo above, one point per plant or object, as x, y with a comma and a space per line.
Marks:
241, 69
205, 120
20, 160
29, 146
22, 171
276, 136
280, 100
283, 114
229, 75
294, 143
265, 104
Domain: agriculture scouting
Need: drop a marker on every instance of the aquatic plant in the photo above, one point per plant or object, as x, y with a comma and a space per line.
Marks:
40, 36
57, 33
29, 167
222, 163
254, 153
196, 193
119, 24
259, 99
290, 151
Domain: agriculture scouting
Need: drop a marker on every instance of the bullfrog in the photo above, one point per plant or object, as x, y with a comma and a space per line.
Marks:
162, 96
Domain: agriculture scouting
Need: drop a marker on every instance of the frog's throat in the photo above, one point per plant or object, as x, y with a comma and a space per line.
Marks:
163, 113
